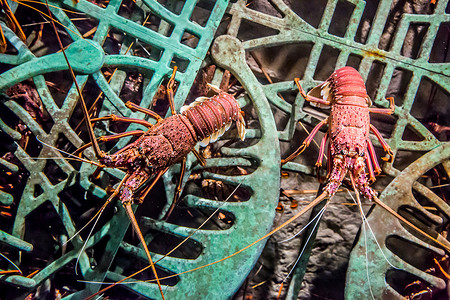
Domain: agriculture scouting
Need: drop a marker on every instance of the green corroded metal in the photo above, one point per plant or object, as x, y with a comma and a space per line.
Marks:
283, 27
88, 57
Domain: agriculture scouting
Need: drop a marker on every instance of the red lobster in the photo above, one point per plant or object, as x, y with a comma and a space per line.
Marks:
164, 144
350, 148
170, 140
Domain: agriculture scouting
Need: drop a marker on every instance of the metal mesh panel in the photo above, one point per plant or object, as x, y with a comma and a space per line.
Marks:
144, 40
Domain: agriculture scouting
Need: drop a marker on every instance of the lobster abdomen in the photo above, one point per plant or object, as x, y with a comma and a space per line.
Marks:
346, 82
211, 117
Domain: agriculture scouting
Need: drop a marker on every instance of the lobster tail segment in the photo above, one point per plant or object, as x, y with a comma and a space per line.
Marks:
343, 86
211, 117
347, 84
347, 81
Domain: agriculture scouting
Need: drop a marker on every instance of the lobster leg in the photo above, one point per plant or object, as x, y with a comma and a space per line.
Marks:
199, 157
329, 161
310, 98
149, 112
170, 85
116, 118
384, 144
321, 150
384, 111
108, 138
305, 143
370, 167
150, 186
371, 151
177, 190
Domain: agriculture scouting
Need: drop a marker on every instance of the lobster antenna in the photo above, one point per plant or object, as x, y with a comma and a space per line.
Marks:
168, 253
206, 221
95, 146
68, 154
48, 16
318, 217
97, 214
53, 6
443, 243
99, 153
11, 262
296, 216
96, 217
367, 259
358, 202
13, 20
366, 222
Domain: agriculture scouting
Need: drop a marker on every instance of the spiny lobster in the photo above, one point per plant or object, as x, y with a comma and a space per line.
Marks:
350, 148
164, 144
170, 140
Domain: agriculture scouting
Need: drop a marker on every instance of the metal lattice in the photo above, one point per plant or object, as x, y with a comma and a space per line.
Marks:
56, 190
266, 36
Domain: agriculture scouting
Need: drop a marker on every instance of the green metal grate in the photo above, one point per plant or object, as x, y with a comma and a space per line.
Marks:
389, 66
157, 48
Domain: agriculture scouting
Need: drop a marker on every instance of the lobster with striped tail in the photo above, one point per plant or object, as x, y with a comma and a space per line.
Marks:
162, 145
171, 139
350, 149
